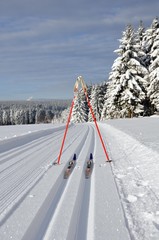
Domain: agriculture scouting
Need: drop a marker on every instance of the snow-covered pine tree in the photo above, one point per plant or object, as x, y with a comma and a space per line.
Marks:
32, 115
12, 116
40, 116
144, 58
139, 44
126, 92
6, 117
80, 110
148, 38
49, 116
153, 89
101, 94
19, 116
97, 101
26, 116
109, 108
1, 119
64, 115
92, 100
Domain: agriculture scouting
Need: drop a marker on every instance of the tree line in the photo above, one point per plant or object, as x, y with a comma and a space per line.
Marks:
31, 112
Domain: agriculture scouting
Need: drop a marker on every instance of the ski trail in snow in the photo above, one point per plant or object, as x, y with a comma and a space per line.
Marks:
25, 170
9, 155
68, 214
80, 215
52, 202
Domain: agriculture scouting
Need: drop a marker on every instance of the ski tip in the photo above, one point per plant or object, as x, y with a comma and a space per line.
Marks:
91, 156
74, 157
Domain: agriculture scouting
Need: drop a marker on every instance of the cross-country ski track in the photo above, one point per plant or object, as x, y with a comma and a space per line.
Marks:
36, 202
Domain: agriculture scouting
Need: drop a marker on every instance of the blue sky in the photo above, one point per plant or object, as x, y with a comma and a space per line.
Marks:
46, 44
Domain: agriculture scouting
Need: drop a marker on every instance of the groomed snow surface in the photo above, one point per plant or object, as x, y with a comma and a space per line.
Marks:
120, 201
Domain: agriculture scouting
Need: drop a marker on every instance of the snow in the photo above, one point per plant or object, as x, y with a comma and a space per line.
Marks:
120, 201
7, 132
145, 130
136, 168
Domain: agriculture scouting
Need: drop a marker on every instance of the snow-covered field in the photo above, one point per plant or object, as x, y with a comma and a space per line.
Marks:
119, 202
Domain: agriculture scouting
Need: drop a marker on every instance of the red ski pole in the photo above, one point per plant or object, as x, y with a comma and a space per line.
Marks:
64, 137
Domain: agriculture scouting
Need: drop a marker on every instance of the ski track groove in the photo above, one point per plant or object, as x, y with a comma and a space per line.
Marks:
73, 230
9, 193
13, 143
20, 161
25, 148
25, 160
81, 208
55, 199
25, 157
18, 165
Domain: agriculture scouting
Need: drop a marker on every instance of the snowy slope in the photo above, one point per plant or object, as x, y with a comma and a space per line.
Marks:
119, 202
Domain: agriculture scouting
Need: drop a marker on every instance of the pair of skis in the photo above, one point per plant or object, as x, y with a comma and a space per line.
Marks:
72, 163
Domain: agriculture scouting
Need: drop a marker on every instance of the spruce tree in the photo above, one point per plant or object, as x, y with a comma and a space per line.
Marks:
1, 117
153, 88
126, 92
80, 111
97, 101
